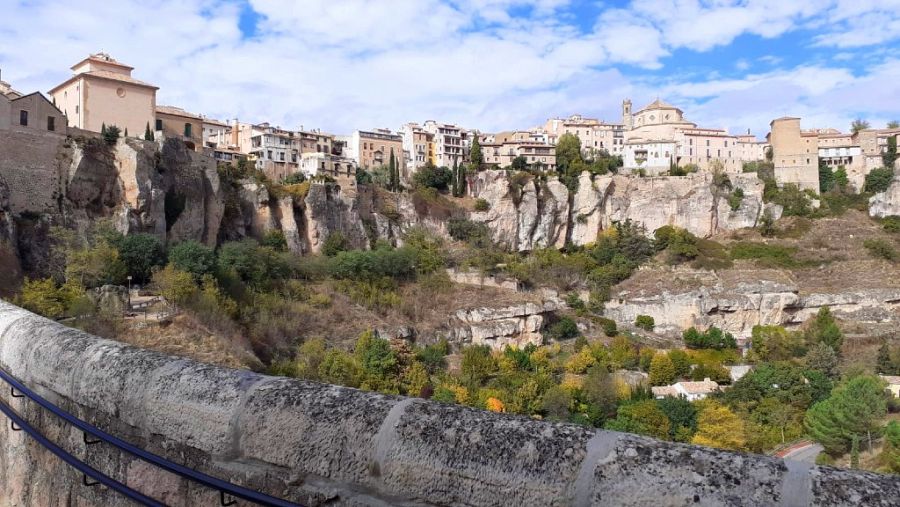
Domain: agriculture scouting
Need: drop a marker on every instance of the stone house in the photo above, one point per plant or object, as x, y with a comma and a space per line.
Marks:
175, 122
35, 112
893, 384
691, 391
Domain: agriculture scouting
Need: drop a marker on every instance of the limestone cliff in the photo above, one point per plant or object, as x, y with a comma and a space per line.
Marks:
886, 203
11, 271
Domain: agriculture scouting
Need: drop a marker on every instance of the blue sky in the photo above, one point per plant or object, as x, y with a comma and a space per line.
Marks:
486, 64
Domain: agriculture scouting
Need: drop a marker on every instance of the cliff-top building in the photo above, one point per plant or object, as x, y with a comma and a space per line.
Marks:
659, 136
102, 91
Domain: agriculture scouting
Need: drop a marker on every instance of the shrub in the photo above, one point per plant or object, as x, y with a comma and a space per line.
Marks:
563, 329
736, 198
193, 257
111, 134
482, 205
766, 254
293, 179
609, 327
645, 322
429, 176
462, 229
891, 223
680, 244
878, 180
334, 243
882, 248
766, 225
275, 240
712, 338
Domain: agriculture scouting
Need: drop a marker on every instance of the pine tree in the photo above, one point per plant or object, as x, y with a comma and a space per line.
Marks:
148, 134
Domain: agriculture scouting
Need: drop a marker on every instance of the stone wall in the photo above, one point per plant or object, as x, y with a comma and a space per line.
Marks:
32, 163
316, 444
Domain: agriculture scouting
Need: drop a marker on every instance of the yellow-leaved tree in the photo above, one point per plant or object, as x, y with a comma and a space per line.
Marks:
718, 426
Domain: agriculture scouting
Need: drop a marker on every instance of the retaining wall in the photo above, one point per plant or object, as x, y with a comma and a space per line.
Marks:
316, 444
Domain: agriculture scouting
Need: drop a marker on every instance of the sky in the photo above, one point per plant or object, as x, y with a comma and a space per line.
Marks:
490, 65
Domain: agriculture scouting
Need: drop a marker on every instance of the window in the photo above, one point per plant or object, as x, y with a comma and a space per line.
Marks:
718, 153
23, 118
187, 130
76, 108
158, 124
51, 123
269, 154
707, 142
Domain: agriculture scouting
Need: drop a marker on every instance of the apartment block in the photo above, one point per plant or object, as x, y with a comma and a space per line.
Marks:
502, 148
418, 146
595, 136
372, 148
451, 143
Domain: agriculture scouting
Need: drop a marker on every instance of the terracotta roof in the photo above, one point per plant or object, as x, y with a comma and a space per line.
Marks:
109, 76
658, 104
177, 111
103, 58
663, 391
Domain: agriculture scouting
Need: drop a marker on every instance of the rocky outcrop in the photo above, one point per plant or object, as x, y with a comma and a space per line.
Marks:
11, 272
326, 212
886, 203
738, 308
526, 213
517, 325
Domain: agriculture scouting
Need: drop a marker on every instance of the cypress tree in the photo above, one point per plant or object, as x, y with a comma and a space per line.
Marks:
462, 180
475, 155
126, 131
394, 173
148, 134
103, 129
883, 363
455, 180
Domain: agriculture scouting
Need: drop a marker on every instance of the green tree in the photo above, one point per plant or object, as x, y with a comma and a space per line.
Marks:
334, 244
598, 390
340, 368
855, 407
475, 154
775, 343
563, 329
141, 253
394, 173
884, 364
826, 176
519, 163
309, 358
568, 151
644, 322
878, 180
95, 266
893, 124
821, 357
477, 364
889, 157
854, 452
193, 257
377, 360
111, 135
45, 297
454, 181
148, 134
681, 361
429, 176
890, 451
823, 328
642, 417
176, 286
662, 371
275, 240
859, 124
415, 379
682, 416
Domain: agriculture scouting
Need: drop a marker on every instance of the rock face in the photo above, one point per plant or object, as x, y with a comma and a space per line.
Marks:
738, 308
327, 212
316, 444
518, 325
886, 203
525, 215
11, 273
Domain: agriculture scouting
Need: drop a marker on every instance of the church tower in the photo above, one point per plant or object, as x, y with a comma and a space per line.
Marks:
627, 119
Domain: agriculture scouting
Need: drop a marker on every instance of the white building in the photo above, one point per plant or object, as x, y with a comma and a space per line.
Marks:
691, 391
450, 143
595, 135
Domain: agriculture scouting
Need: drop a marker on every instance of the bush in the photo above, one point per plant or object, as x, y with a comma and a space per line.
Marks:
111, 134
293, 179
429, 176
765, 254
878, 180
275, 240
891, 223
563, 329
881, 248
680, 244
482, 205
334, 244
736, 198
712, 338
609, 327
462, 229
645, 322
194, 258
767, 225
374, 264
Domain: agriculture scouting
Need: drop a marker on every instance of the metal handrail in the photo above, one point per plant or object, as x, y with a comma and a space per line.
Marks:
74, 462
224, 487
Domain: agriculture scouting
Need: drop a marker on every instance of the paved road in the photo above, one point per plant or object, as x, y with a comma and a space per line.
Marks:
806, 453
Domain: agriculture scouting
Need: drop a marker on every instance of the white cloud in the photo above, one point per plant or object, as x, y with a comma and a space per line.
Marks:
346, 64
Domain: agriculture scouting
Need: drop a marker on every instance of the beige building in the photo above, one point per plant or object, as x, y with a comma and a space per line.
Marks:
450, 143
795, 153
5, 112
418, 146
35, 112
102, 91
215, 133
371, 149
502, 148
175, 122
595, 135
658, 137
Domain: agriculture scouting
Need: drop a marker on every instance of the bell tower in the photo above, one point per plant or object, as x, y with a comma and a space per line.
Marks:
627, 119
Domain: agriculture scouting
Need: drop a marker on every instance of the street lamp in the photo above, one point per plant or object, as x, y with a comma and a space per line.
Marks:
129, 291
